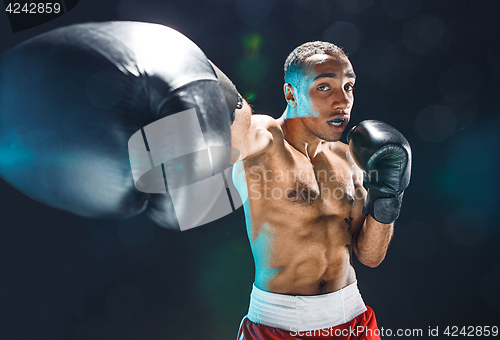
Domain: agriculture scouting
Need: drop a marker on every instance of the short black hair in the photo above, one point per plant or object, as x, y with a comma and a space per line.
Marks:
297, 58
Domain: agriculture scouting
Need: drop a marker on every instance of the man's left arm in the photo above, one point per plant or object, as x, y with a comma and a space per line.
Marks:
370, 239
384, 156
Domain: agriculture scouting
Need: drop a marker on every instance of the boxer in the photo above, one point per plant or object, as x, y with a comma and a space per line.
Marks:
313, 201
71, 99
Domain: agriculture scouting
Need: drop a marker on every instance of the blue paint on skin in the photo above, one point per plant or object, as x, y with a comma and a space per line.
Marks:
240, 183
239, 180
301, 84
261, 249
261, 246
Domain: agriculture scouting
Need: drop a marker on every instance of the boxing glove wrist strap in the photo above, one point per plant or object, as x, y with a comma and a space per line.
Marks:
382, 209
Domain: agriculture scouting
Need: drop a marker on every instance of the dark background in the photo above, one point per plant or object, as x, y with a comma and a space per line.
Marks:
429, 68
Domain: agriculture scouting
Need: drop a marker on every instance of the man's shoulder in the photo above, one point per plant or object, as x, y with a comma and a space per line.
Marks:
267, 139
265, 121
268, 123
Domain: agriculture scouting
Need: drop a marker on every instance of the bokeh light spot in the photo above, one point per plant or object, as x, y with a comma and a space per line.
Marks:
423, 34
344, 34
252, 44
250, 96
435, 123
252, 70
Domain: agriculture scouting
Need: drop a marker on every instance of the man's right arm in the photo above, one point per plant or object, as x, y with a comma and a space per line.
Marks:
250, 133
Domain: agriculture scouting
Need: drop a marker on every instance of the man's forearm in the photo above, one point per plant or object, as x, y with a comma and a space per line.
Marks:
372, 241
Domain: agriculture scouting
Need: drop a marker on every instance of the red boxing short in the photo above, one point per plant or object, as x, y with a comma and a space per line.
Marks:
363, 327
337, 315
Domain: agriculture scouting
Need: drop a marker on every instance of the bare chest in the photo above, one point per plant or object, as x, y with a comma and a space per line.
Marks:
325, 182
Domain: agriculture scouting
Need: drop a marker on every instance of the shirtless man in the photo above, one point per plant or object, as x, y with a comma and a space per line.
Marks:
307, 210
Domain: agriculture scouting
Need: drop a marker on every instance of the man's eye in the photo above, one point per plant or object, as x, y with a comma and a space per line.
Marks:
323, 87
348, 87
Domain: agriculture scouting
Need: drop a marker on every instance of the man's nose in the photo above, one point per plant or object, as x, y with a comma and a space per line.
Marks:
342, 100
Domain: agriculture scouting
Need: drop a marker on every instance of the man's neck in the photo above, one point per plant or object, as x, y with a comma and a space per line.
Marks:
298, 135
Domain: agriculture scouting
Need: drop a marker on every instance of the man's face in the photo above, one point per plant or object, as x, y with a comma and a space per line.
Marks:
325, 96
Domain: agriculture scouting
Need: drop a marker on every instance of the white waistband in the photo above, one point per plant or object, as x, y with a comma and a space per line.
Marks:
304, 313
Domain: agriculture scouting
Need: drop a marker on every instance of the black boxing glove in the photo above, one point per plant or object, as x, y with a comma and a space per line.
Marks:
384, 155
108, 120
233, 97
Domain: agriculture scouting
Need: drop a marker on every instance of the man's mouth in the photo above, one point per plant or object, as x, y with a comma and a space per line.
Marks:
337, 122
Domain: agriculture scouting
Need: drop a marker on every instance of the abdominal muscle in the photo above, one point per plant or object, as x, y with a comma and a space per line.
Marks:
298, 251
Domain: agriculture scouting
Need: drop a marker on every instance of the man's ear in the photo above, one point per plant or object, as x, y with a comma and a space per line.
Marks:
289, 95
